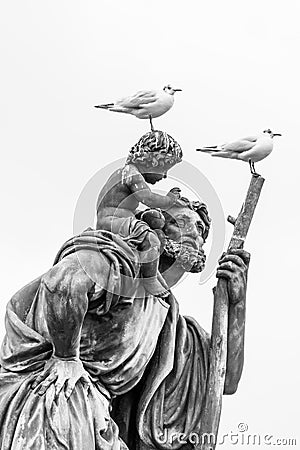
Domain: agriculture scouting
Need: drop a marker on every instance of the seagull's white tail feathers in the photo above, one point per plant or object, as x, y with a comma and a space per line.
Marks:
208, 149
112, 107
120, 109
231, 155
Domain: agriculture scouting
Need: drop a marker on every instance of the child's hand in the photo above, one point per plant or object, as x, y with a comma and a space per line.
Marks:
174, 192
154, 218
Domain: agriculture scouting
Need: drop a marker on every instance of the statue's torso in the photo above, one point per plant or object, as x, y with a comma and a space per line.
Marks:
118, 345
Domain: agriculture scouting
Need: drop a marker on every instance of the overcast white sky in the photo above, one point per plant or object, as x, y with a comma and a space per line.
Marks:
238, 65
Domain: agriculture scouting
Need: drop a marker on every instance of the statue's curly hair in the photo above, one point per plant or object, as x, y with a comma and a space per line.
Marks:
155, 148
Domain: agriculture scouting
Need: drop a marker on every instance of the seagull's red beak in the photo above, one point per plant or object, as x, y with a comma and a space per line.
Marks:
177, 90
277, 134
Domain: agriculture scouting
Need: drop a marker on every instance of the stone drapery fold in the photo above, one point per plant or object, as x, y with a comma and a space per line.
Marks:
171, 390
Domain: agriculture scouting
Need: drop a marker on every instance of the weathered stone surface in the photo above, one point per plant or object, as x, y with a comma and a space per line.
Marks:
91, 361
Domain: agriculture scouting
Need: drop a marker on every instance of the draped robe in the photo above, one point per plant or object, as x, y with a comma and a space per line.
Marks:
148, 364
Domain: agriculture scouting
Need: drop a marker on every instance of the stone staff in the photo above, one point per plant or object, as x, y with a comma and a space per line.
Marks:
218, 352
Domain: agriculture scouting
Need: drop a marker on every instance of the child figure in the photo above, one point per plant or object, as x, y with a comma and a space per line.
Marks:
148, 162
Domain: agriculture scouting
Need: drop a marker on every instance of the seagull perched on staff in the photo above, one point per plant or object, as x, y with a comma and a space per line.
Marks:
144, 104
251, 148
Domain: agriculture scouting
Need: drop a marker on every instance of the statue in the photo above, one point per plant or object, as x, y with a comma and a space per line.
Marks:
148, 162
92, 360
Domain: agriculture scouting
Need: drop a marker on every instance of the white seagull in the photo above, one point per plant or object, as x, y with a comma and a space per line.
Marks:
144, 104
250, 149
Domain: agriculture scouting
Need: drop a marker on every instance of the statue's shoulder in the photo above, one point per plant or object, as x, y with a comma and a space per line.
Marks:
130, 173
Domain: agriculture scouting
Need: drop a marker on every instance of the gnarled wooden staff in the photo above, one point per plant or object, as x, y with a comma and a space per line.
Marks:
218, 352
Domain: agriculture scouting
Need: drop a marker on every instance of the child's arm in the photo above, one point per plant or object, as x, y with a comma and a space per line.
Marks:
138, 186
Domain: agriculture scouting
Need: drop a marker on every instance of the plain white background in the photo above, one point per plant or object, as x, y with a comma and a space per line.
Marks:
237, 63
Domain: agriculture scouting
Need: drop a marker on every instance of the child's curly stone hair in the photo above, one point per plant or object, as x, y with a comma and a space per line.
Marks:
155, 148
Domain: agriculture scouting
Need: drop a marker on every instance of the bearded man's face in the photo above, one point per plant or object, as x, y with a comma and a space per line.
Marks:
184, 230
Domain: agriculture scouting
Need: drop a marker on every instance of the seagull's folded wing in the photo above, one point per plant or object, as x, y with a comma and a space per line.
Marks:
242, 145
250, 138
138, 99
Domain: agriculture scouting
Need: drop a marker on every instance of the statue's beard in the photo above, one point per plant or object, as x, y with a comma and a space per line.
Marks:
191, 260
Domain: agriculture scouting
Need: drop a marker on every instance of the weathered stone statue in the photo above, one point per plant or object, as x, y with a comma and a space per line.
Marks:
148, 162
91, 360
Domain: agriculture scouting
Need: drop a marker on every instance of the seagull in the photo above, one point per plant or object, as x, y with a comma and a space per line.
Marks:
251, 148
144, 104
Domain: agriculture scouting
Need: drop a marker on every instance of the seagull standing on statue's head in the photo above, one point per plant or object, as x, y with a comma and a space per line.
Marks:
144, 104
251, 148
